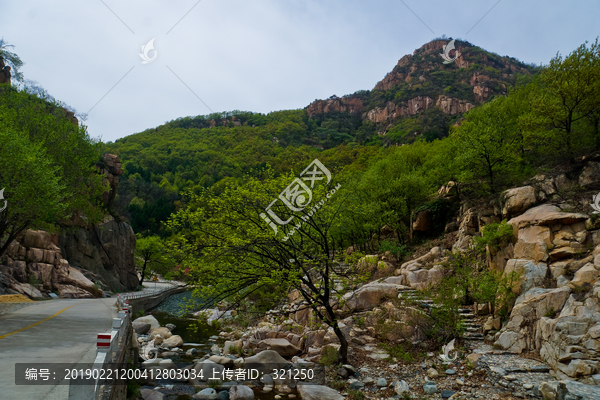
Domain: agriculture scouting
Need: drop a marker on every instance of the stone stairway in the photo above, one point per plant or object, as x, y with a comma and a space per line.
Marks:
473, 330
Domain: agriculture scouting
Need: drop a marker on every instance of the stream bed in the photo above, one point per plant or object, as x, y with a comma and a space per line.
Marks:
176, 310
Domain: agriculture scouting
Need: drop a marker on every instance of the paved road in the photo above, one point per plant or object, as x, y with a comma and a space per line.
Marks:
68, 337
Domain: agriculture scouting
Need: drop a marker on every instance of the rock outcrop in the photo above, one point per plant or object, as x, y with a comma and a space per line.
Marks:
348, 104
35, 266
106, 250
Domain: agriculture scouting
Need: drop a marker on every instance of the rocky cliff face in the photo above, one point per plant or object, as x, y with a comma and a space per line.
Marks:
340, 104
105, 250
424, 74
35, 266
78, 262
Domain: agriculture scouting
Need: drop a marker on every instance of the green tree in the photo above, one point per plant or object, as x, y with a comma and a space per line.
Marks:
69, 154
488, 143
12, 59
569, 95
232, 252
150, 253
30, 185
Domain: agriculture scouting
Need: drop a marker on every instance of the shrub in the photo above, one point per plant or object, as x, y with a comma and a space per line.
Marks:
495, 236
399, 251
329, 356
355, 395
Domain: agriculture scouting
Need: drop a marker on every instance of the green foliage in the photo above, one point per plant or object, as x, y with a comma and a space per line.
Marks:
44, 184
565, 103
11, 59
355, 395
399, 251
495, 236
329, 356
151, 256
401, 351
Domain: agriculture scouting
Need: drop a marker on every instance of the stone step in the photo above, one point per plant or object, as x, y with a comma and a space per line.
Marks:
473, 325
473, 336
466, 315
471, 329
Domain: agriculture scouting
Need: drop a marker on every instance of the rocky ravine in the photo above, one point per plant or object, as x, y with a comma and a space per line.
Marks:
555, 319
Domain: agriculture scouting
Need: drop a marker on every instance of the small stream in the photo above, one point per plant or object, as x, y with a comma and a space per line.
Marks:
177, 309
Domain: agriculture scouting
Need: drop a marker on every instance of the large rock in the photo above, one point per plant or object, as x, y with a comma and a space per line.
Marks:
37, 239
165, 333
569, 343
241, 392
206, 394
149, 394
72, 292
369, 296
106, 250
27, 290
520, 331
140, 327
531, 274
207, 371
150, 320
225, 361
586, 275
316, 392
533, 243
265, 361
173, 341
546, 215
517, 200
282, 346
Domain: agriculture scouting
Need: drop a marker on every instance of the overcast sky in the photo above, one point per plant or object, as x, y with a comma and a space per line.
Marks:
260, 56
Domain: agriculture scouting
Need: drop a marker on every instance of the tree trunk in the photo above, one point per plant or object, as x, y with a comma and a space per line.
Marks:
343, 357
143, 273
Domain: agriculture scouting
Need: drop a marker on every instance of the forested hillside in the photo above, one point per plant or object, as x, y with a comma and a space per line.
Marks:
420, 99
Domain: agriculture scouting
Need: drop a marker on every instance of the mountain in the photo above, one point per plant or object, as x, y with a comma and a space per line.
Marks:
422, 82
420, 98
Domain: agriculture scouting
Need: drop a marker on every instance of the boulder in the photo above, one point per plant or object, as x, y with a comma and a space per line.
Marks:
141, 327
150, 320
586, 275
27, 290
546, 215
37, 239
590, 174
149, 394
531, 274
72, 292
165, 333
317, 392
517, 200
208, 371
173, 341
225, 361
241, 392
533, 243
206, 394
282, 346
265, 361
369, 296
520, 332
423, 222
